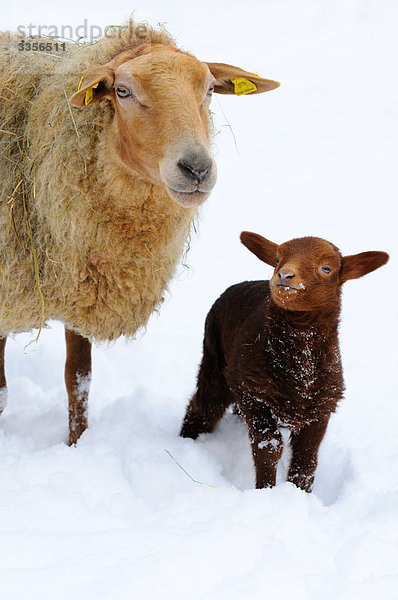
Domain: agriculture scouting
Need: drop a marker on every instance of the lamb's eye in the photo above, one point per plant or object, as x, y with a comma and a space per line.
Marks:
326, 270
277, 260
123, 92
211, 90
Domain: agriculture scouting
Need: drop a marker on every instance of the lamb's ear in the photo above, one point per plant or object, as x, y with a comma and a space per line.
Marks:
233, 80
357, 265
93, 86
262, 248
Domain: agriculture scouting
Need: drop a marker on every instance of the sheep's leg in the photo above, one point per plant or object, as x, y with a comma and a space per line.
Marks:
206, 408
266, 442
211, 398
3, 383
305, 445
77, 379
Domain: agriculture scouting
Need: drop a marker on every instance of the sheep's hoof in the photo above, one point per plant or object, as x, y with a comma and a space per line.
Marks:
74, 438
193, 425
189, 431
302, 481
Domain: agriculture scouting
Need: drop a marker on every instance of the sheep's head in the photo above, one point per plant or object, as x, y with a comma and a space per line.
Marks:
309, 271
161, 98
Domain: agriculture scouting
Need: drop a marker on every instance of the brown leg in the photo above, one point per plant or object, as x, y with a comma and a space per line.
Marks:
3, 383
266, 442
77, 379
205, 410
212, 396
305, 445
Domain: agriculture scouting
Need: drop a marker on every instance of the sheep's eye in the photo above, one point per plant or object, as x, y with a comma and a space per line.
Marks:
211, 90
123, 92
277, 260
326, 270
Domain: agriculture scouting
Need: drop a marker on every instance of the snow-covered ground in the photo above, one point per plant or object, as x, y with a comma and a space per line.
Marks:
115, 517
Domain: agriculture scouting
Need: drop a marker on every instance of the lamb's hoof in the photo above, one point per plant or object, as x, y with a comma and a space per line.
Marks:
188, 431
304, 482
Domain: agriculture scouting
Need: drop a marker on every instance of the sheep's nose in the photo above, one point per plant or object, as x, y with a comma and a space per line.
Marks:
196, 164
285, 274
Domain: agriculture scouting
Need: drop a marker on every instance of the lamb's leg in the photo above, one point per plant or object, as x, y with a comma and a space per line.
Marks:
206, 408
266, 442
3, 383
77, 379
211, 398
305, 445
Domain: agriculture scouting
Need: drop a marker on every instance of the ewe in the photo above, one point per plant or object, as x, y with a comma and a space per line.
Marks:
98, 203
271, 347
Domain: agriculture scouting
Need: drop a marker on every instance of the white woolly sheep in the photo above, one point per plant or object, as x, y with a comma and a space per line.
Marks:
98, 203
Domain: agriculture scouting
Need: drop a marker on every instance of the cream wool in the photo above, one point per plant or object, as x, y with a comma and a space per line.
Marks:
97, 203
107, 242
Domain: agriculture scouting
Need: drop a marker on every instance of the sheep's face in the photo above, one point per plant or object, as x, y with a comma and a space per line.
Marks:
309, 271
161, 98
162, 104
306, 275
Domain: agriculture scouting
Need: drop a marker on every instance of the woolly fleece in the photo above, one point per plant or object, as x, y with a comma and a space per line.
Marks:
106, 241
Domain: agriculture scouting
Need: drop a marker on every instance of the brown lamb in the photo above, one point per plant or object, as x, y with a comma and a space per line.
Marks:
271, 348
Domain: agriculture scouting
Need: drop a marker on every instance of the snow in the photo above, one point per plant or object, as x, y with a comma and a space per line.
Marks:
115, 516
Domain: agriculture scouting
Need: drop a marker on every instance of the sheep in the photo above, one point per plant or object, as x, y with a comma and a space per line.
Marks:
271, 348
98, 202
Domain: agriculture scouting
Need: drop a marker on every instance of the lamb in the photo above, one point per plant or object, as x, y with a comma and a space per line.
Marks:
271, 348
97, 204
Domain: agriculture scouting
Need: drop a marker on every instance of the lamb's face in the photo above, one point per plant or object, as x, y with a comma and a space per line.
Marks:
309, 271
306, 275
161, 98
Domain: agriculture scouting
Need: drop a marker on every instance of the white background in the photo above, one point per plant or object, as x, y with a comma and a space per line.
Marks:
116, 517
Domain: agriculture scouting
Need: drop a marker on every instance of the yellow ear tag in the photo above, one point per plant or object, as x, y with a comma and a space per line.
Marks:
80, 83
89, 94
243, 86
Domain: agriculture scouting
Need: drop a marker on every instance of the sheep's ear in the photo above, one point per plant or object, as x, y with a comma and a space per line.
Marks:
262, 248
233, 80
357, 265
93, 86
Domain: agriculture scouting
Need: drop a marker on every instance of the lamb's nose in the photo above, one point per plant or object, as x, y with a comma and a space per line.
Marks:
285, 275
196, 165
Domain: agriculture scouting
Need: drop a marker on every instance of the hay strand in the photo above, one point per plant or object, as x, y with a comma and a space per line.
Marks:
186, 472
35, 262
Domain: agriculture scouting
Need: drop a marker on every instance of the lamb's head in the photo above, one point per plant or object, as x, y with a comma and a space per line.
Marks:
310, 271
161, 99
